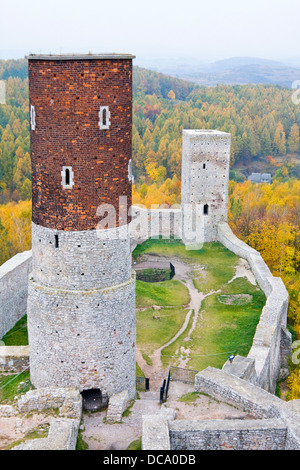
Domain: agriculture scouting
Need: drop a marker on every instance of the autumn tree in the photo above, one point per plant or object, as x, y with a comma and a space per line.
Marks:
293, 139
280, 140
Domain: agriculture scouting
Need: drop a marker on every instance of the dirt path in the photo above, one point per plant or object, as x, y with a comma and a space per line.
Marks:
156, 372
243, 270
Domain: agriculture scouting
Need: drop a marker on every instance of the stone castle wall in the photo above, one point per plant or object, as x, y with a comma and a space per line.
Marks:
68, 281
274, 423
14, 276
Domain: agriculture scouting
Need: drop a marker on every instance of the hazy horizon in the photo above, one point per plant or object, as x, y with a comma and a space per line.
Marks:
193, 30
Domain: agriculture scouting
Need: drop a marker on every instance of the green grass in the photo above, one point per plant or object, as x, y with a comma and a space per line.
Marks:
159, 246
168, 354
81, 444
152, 334
135, 445
218, 262
189, 397
18, 335
164, 293
138, 371
14, 385
147, 359
222, 329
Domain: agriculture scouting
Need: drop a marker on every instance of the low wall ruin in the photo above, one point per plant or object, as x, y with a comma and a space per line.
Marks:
275, 424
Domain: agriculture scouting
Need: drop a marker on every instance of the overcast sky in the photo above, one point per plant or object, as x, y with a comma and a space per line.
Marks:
206, 30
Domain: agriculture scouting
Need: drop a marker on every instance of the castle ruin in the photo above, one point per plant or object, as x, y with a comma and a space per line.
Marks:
80, 297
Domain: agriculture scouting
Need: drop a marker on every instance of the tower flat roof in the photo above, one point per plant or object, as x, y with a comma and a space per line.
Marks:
204, 132
78, 56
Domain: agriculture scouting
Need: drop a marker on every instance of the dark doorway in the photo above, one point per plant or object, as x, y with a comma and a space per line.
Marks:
93, 400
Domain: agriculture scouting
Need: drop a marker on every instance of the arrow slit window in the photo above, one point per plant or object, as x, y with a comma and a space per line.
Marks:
67, 176
32, 117
104, 117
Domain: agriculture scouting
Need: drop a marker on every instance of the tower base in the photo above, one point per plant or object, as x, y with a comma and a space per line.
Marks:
83, 338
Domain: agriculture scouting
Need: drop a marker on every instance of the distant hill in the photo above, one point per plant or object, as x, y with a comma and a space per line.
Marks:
248, 74
235, 70
233, 62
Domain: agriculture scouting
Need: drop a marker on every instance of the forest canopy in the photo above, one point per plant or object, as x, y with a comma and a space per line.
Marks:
262, 119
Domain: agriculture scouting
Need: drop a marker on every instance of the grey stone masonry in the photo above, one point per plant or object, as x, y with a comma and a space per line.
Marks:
81, 310
155, 433
80, 260
116, 407
204, 179
274, 423
231, 389
260, 403
7, 410
243, 367
67, 400
267, 434
83, 339
154, 222
13, 290
14, 358
62, 436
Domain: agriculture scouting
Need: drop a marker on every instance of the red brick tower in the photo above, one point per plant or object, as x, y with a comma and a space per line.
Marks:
82, 110
81, 305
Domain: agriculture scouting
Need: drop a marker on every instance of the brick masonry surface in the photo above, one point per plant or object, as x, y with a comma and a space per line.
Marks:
67, 96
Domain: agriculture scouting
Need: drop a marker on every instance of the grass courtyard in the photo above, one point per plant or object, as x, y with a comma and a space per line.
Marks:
226, 321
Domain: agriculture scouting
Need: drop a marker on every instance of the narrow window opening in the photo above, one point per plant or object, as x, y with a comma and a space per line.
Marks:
32, 117
205, 209
67, 177
104, 117
204, 166
56, 241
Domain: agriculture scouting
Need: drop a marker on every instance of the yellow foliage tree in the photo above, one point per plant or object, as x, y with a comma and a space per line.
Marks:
15, 228
171, 95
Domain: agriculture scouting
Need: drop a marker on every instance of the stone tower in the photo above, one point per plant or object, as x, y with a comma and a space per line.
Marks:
204, 182
81, 302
